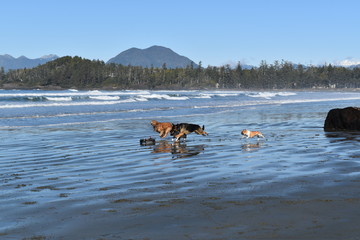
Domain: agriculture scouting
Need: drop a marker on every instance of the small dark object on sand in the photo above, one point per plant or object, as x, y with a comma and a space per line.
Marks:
147, 141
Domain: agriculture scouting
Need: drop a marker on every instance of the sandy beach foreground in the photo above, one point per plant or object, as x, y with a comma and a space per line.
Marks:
203, 189
188, 217
93, 180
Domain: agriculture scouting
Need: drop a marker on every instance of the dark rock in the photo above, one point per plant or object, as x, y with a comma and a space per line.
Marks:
343, 119
148, 141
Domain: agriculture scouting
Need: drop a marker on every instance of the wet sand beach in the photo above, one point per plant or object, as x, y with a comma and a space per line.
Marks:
93, 180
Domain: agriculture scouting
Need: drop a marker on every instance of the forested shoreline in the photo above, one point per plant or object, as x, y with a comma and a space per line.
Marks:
76, 72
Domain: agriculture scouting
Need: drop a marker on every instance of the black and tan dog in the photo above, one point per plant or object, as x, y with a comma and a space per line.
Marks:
182, 129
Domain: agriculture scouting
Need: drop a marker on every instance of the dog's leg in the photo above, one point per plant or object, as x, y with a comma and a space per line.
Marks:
166, 132
176, 138
183, 137
179, 136
259, 136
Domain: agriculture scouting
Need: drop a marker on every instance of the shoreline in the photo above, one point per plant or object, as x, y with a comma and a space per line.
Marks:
58, 88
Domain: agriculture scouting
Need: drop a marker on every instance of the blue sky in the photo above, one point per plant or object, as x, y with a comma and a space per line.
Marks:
213, 32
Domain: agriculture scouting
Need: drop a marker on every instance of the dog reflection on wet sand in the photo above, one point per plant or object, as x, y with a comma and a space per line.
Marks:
248, 147
180, 150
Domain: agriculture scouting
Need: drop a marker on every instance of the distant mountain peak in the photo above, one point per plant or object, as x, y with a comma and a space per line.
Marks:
50, 56
154, 56
9, 62
7, 56
158, 47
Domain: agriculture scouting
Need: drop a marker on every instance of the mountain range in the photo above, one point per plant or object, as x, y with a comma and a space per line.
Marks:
155, 56
9, 62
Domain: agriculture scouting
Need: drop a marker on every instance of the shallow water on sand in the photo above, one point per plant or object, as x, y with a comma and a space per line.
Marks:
93, 180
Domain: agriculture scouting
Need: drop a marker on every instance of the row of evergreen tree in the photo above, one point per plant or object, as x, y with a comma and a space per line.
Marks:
76, 72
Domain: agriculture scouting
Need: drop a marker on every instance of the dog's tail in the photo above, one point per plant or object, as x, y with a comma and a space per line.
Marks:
203, 132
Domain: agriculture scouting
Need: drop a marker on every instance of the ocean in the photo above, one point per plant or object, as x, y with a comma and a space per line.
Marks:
71, 166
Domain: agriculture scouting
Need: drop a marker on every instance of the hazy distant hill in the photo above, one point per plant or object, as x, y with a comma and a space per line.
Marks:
354, 66
9, 62
154, 56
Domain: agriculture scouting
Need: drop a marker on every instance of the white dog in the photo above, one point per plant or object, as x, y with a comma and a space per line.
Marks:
250, 134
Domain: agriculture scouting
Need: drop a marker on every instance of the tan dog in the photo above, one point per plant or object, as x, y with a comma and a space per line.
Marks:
182, 129
251, 134
162, 127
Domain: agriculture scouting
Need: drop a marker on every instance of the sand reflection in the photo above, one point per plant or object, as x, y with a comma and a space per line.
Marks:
178, 149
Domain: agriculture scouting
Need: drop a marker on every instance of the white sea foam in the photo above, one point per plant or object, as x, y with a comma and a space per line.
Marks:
105, 98
79, 114
141, 99
134, 92
269, 95
286, 93
161, 96
175, 98
274, 102
217, 94
31, 98
204, 96
72, 93
236, 98
59, 99
64, 104
94, 93
226, 94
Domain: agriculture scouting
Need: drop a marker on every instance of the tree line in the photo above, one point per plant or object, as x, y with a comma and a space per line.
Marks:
76, 72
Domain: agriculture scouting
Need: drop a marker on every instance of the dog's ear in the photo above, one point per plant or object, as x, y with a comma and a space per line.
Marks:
203, 128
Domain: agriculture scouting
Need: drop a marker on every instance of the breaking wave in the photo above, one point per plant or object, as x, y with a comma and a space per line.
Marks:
269, 95
106, 98
38, 107
60, 99
64, 104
